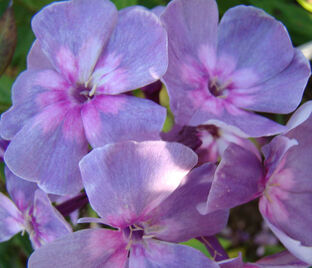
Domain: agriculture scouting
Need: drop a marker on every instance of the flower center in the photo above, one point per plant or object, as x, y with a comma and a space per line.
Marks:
216, 88
134, 233
82, 94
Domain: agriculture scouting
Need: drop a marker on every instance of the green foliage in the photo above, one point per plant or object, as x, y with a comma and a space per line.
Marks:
7, 38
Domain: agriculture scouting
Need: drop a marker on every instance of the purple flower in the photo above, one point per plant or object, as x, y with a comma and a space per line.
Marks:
148, 193
86, 54
283, 183
224, 72
3, 145
209, 141
30, 211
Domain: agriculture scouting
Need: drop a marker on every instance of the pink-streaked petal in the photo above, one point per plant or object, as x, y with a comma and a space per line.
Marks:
188, 27
109, 119
275, 151
266, 48
190, 34
125, 181
48, 148
237, 180
303, 253
72, 34
136, 64
279, 260
49, 223
11, 219
32, 91
87, 248
36, 59
178, 215
283, 92
154, 253
251, 124
301, 115
22, 192
288, 196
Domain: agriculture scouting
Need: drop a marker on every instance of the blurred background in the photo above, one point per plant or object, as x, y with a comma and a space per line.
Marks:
245, 232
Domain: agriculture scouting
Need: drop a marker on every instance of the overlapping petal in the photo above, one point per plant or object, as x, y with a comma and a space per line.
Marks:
166, 255
136, 52
48, 148
72, 35
178, 215
109, 119
113, 176
87, 248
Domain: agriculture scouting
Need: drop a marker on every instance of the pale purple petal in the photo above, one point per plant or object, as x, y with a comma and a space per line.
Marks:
48, 148
279, 260
11, 219
136, 53
32, 91
125, 181
49, 223
158, 10
301, 115
178, 214
22, 192
283, 92
72, 34
87, 248
36, 59
154, 254
252, 124
189, 31
287, 199
254, 41
237, 180
109, 119
303, 253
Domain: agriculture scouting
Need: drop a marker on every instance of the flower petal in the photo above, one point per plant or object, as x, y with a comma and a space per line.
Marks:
134, 63
156, 253
125, 181
178, 216
72, 34
50, 224
283, 92
87, 248
109, 119
295, 247
22, 192
48, 148
11, 219
255, 41
36, 59
237, 180
32, 91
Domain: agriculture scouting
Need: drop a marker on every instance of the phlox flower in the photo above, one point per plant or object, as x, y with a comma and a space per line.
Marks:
227, 72
147, 192
85, 56
282, 183
209, 141
30, 211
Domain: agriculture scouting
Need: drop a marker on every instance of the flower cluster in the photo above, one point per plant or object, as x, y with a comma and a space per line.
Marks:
76, 132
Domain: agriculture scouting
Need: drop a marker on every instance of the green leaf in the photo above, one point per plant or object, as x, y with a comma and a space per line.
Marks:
5, 92
8, 38
124, 3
